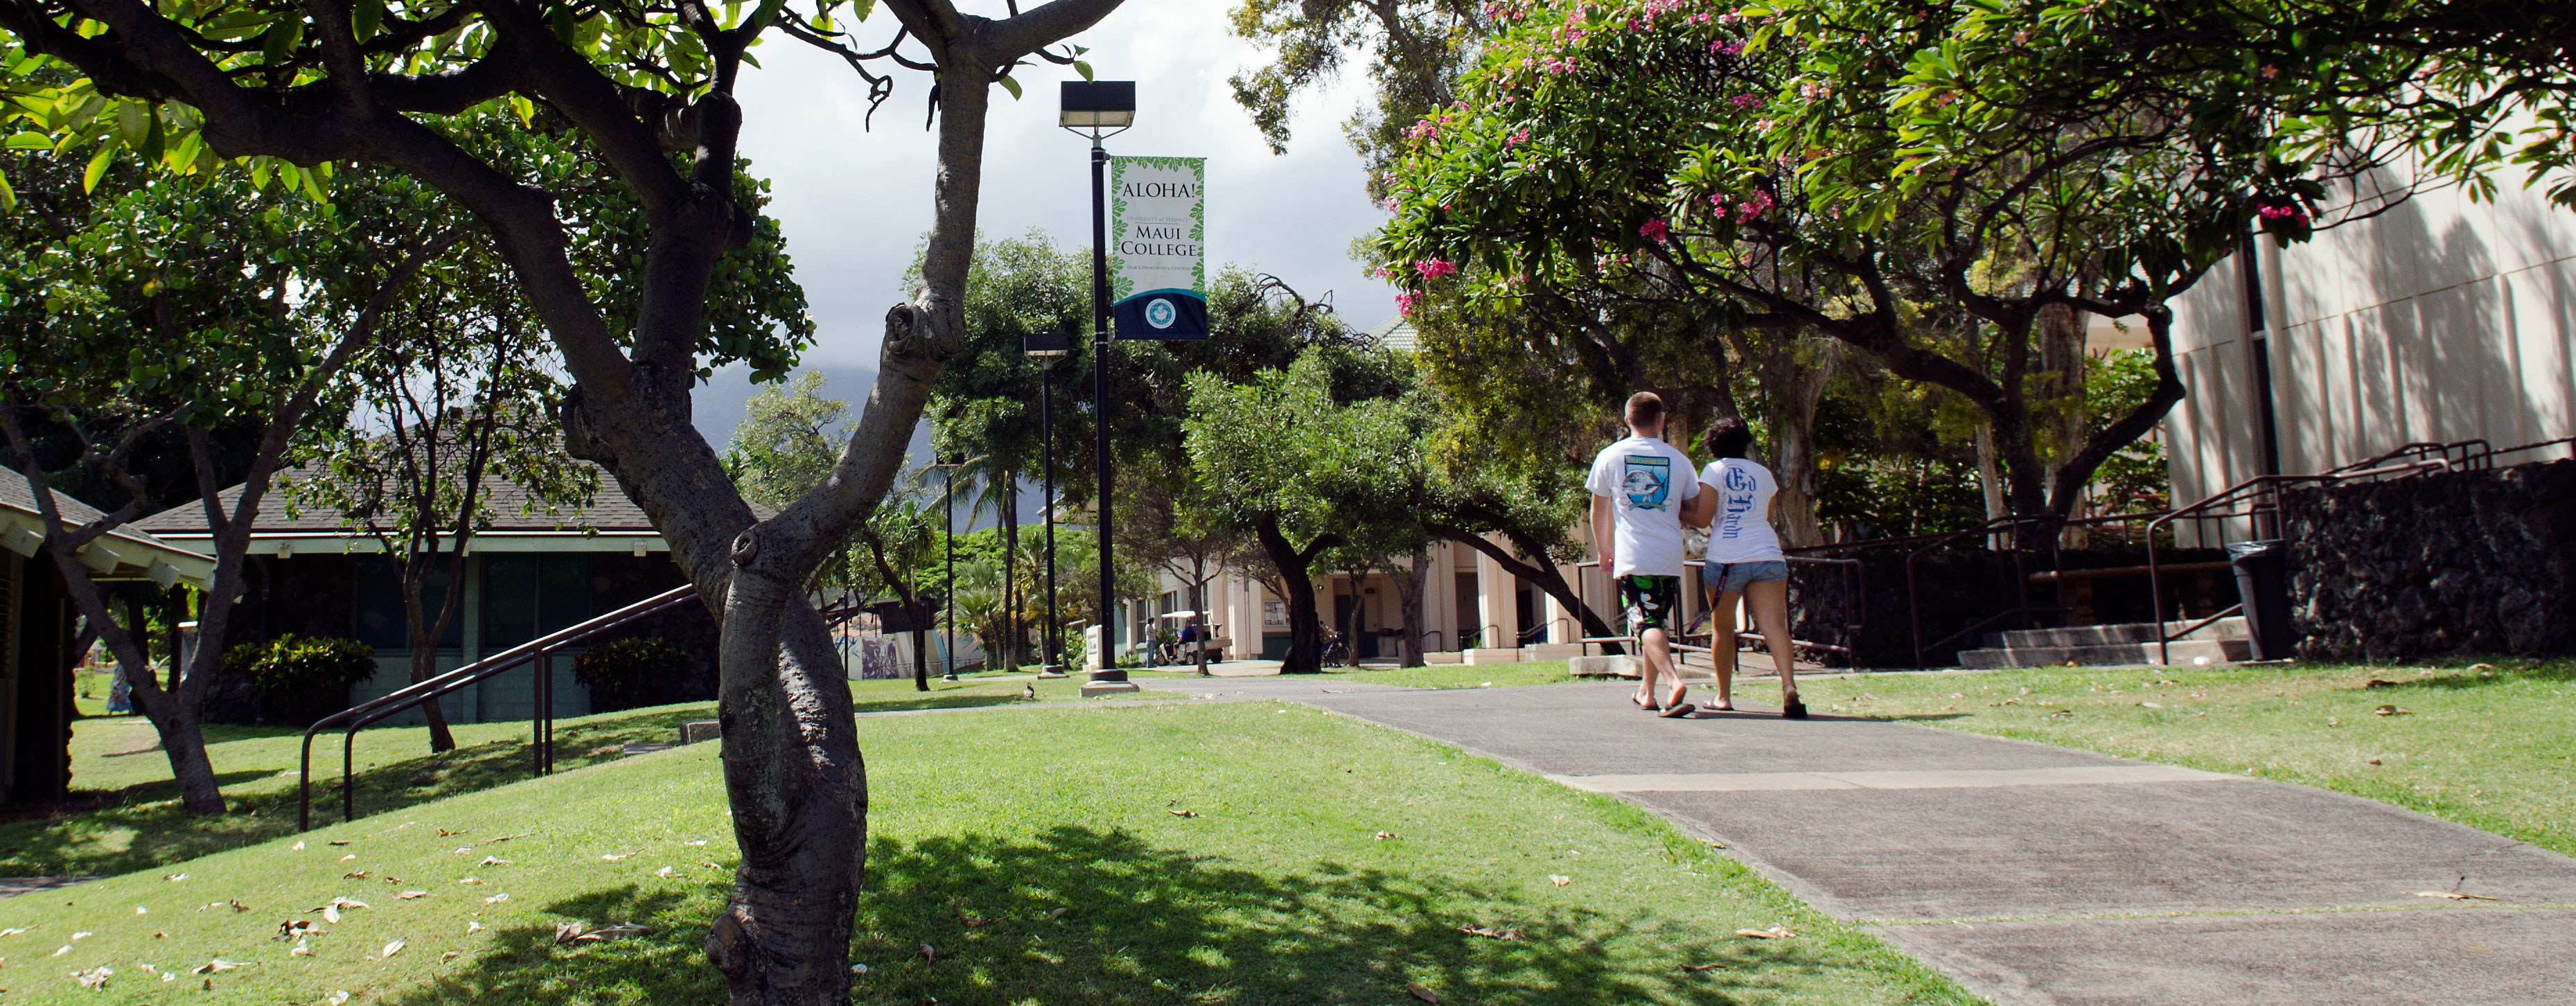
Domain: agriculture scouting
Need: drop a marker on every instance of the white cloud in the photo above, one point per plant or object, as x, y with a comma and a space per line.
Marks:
855, 201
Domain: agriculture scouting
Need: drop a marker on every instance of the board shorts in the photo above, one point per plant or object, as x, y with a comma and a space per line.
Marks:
1653, 602
1733, 577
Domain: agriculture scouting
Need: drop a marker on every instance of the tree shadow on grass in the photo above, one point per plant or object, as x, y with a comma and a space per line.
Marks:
1080, 916
141, 827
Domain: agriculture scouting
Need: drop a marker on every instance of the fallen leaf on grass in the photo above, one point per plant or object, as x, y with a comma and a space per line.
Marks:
2376, 683
354, 875
615, 856
297, 847
408, 895
2151, 705
1421, 993
701, 841
1702, 967
294, 929
1490, 932
1057, 914
470, 880
460, 850
2453, 896
493, 861
61, 950
15, 930
215, 966
2393, 711
497, 898
331, 912
443, 833
929, 955
300, 949
663, 872
338, 997
1384, 835
451, 955
80, 934
612, 931
973, 921
505, 838
348, 857
93, 978
174, 877
393, 948
339, 841
472, 926
1773, 933
1182, 813
1559, 879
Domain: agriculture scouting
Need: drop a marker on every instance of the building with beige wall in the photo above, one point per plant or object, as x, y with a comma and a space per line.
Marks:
2443, 319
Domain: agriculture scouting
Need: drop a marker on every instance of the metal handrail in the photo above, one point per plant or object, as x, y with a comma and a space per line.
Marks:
541, 716
2021, 575
2261, 495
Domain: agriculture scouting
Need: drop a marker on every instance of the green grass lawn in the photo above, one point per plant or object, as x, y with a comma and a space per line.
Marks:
2491, 747
125, 816
1036, 851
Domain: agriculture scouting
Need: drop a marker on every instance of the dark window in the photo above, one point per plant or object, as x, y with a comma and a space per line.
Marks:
382, 620
526, 595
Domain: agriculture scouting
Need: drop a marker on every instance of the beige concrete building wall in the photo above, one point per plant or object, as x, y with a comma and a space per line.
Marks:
2442, 320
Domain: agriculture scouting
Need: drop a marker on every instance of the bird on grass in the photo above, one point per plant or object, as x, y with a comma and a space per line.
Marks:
1029, 692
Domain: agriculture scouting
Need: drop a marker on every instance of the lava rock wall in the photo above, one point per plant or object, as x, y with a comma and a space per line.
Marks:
2457, 563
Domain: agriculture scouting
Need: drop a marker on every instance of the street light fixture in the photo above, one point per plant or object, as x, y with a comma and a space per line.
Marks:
1101, 109
1046, 346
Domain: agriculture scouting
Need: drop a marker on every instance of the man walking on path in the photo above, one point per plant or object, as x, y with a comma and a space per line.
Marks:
1641, 487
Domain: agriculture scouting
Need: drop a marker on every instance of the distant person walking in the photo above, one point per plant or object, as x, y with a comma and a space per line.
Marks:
1640, 486
1744, 561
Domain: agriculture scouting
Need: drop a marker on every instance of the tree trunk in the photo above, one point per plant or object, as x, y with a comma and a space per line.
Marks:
184, 744
1012, 655
1795, 386
1305, 628
2062, 418
1409, 588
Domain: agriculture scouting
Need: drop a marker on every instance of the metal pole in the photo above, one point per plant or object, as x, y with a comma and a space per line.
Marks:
1052, 637
948, 521
1100, 336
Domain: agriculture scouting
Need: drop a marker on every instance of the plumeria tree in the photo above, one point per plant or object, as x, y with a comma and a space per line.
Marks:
1896, 178
296, 90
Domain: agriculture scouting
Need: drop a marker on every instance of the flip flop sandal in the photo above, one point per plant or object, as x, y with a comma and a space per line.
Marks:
1794, 709
1643, 704
1677, 712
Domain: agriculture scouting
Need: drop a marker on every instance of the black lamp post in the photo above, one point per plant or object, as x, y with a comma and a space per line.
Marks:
948, 527
1046, 346
1101, 109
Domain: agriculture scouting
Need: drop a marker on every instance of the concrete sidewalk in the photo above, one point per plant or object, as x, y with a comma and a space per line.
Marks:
2044, 875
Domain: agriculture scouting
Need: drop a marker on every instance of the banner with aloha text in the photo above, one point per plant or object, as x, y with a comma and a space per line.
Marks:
1158, 249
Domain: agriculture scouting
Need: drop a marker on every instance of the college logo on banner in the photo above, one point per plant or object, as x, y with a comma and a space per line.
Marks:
1158, 250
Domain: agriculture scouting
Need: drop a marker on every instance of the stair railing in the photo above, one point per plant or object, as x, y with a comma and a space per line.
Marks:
2258, 500
541, 720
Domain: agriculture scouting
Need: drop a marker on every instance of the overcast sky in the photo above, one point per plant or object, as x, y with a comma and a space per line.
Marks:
856, 201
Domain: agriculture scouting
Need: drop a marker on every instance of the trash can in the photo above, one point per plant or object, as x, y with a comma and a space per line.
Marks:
2263, 583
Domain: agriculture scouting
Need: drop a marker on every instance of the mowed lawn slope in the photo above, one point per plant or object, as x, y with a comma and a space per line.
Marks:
1174, 853
2492, 746
125, 814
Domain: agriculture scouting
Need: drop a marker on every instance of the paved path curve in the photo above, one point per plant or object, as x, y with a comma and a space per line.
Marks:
2040, 875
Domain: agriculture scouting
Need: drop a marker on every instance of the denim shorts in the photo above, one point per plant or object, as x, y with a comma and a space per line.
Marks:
1733, 577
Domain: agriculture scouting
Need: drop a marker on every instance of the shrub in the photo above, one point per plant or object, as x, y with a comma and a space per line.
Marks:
620, 671
292, 664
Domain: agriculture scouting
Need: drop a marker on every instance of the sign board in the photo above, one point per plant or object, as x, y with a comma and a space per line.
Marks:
1158, 250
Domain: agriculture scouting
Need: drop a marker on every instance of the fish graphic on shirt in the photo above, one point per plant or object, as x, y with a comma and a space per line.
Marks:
1648, 482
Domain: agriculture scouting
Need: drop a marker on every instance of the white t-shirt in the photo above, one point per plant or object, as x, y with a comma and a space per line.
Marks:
1741, 529
1647, 481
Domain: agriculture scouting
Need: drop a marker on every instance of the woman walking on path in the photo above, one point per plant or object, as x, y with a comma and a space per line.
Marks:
1744, 561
